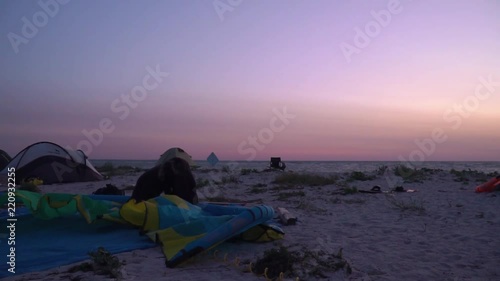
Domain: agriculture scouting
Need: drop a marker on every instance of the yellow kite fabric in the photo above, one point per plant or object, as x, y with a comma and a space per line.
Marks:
184, 229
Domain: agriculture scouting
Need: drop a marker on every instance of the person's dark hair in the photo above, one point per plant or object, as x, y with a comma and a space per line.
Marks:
172, 177
179, 180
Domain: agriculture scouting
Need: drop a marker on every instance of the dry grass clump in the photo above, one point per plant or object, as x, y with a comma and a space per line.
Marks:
303, 264
102, 263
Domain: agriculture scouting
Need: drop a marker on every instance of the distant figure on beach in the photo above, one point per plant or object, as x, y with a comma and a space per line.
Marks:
170, 177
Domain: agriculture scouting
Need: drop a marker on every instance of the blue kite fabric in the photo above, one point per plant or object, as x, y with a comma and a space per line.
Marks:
57, 229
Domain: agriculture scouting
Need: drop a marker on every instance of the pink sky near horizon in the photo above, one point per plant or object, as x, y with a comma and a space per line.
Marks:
227, 76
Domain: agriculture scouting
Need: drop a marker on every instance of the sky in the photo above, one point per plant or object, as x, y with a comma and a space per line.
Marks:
354, 80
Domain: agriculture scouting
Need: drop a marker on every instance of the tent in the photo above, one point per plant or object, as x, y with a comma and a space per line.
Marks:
175, 152
53, 164
4, 159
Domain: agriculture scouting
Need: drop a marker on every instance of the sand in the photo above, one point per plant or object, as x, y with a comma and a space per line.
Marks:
444, 231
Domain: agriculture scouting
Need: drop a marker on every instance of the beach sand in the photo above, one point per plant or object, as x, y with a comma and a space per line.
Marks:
444, 231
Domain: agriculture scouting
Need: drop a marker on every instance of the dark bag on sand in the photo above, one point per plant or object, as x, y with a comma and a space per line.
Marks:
109, 190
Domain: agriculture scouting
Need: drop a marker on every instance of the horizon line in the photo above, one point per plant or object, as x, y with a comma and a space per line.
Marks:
415, 162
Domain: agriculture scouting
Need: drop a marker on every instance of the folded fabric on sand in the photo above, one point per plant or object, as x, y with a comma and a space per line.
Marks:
51, 232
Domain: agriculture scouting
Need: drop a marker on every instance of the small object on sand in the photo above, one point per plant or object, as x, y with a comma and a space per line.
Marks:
375, 189
402, 189
286, 217
489, 186
109, 190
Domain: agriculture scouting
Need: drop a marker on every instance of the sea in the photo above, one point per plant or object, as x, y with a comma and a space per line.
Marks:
323, 166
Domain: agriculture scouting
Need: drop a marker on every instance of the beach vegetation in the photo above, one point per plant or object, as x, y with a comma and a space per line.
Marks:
226, 169
248, 171
460, 176
359, 176
108, 169
85, 267
274, 262
430, 170
346, 189
286, 195
410, 175
354, 201
280, 188
308, 205
295, 179
469, 175
202, 182
300, 264
230, 179
206, 170
381, 170
257, 189
412, 204
349, 190
101, 262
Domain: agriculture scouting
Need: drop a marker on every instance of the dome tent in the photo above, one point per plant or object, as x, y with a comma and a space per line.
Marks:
4, 159
173, 153
53, 164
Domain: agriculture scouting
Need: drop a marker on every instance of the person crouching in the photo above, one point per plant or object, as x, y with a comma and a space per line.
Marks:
171, 177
